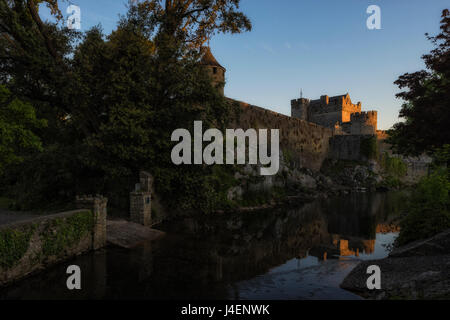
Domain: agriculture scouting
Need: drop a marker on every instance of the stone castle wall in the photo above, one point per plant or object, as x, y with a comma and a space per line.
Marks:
306, 142
346, 147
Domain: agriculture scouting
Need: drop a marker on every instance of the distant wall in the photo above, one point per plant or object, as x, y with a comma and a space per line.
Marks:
346, 147
307, 143
32, 245
418, 167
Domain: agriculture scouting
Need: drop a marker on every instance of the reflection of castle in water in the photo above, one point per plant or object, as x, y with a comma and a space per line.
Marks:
344, 250
207, 255
242, 246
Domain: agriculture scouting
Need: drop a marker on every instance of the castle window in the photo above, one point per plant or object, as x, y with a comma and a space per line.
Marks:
215, 70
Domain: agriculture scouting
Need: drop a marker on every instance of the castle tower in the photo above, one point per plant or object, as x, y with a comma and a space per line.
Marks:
215, 70
299, 109
364, 122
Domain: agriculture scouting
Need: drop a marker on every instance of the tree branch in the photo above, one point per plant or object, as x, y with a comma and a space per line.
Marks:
35, 15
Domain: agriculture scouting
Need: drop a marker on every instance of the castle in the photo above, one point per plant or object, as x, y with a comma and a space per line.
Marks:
325, 128
338, 113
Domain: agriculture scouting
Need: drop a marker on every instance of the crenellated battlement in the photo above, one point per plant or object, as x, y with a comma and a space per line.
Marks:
338, 112
364, 116
364, 122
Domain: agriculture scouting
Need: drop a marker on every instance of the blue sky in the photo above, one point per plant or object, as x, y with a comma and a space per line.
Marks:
319, 46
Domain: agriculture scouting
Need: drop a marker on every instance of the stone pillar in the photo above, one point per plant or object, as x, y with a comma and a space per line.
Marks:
146, 181
97, 204
140, 207
140, 200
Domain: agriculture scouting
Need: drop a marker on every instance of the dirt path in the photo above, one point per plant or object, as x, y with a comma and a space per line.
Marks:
7, 216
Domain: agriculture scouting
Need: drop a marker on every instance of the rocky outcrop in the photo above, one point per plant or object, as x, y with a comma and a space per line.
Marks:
296, 184
420, 270
437, 245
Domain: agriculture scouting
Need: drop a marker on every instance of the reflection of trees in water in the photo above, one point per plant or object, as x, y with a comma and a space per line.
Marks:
241, 246
236, 248
203, 256
359, 215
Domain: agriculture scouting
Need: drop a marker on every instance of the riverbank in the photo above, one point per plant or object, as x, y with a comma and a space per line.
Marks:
419, 270
294, 185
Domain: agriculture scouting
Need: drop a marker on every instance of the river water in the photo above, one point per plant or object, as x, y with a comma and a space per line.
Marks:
285, 253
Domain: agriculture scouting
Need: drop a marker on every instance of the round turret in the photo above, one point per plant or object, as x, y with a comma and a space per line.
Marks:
215, 70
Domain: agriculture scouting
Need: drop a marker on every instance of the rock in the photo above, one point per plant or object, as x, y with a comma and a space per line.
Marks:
420, 270
234, 224
235, 193
238, 176
360, 174
406, 277
307, 181
248, 169
439, 244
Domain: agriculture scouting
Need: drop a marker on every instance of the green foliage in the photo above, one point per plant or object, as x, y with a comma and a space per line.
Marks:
13, 245
441, 159
369, 147
17, 120
441, 156
63, 233
390, 183
393, 166
394, 170
203, 189
427, 100
428, 212
112, 102
255, 198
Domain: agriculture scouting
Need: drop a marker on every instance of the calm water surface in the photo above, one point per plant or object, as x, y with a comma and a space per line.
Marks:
301, 253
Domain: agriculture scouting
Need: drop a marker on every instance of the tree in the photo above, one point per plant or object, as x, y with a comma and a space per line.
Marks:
193, 21
427, 100
17, 122
144, 98
113, 101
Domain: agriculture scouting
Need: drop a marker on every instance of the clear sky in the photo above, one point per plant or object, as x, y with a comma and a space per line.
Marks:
319, 46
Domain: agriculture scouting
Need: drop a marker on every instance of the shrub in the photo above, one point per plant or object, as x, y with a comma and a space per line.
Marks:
369, 147
393, 166
428, 211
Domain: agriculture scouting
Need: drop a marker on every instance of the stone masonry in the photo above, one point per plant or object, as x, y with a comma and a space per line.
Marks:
40, 242
140, 200
336, 112
98, 206
214, 69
